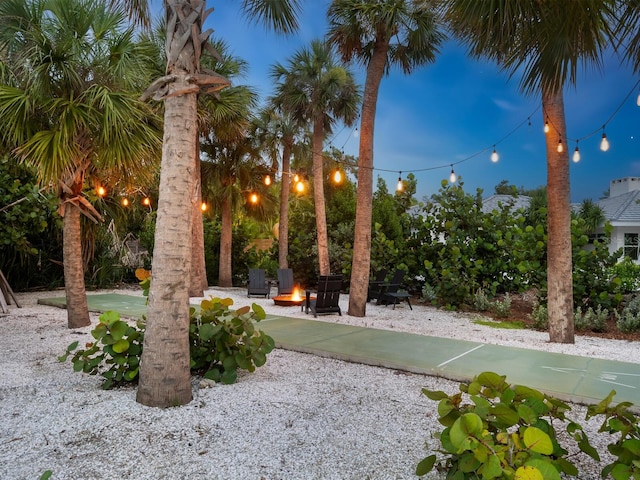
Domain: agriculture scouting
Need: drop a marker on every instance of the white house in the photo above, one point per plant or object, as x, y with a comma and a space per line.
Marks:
621, 209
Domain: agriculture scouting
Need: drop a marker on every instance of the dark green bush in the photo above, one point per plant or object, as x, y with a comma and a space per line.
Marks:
221, 342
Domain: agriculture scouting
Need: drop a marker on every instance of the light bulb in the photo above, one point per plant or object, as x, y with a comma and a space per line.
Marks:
400, 185
296, 178
576, 155
638, 100
253, 198
267, 180
494, 156
546, 126
203, 207
337, 176
125, 202
146, 201
560, 146
101, 191
299, 187
604, 144
453, 177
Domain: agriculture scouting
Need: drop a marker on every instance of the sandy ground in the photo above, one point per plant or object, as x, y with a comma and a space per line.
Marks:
298, 417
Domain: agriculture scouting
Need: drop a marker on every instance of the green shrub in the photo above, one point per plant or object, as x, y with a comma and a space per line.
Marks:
628, 273
221, 341
592, 320
540, 317
115, 354
502, 307
504, 432
629, 320
620, 420
481, 301
428, 293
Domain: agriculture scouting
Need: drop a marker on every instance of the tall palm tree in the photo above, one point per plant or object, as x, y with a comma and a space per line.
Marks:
546, 41
72, 109
315, 89
276, 131
379, 35
164, 370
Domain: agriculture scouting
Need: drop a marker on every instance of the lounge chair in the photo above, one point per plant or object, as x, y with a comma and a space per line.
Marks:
258, 284
376, 284
328, 296
384, 298
285, 281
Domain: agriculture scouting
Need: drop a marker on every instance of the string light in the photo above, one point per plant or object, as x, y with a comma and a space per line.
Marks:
494, 155
125, 202
101, 191
400, 185
146, 201
299, 185
296, 178
453, 177
546, 125
253, 198
604, 143
638, 100
267, 180
560, 147
204, 207
576, 154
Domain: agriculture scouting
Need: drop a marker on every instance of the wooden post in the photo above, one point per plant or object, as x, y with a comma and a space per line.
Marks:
6, 294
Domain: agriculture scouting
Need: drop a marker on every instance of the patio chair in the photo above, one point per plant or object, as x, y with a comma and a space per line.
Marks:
327, 296
390, 288
285, 281
258, 284
376, 284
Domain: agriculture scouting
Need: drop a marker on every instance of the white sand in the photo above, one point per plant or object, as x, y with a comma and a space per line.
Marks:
298, 417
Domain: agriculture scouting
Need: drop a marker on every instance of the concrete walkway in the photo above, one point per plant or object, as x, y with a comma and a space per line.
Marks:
571, 378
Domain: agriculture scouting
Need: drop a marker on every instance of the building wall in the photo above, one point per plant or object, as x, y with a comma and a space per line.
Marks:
623, 185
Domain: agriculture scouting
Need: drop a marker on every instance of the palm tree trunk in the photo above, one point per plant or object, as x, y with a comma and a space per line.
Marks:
198, 278
226, 231
165, 377
76, 296
559, 262
283, 225
318, 198
364, 196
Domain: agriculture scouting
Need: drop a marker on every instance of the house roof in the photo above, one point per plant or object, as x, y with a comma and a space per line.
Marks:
493, 202
622, 208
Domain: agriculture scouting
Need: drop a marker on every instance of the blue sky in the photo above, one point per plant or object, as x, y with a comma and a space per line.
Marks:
455, 110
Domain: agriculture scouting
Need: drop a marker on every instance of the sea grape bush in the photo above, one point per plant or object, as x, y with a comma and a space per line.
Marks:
221, 342
504, 432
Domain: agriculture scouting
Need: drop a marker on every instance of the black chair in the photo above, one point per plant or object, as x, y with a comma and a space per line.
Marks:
258, 284
285, 281
376, 284
327, 296
391, 288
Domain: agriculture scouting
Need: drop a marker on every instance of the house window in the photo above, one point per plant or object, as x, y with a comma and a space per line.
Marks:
597, 237
631, 245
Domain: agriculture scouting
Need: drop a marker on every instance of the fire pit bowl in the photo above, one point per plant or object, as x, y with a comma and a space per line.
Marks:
288, 300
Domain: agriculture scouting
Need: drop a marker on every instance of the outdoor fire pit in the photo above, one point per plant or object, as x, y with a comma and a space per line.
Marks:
288, 300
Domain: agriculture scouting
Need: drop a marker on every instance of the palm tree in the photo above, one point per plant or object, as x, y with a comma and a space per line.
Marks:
546, 41
72, 109
380, 35
592, 214
314, 89
274, 129
164, 371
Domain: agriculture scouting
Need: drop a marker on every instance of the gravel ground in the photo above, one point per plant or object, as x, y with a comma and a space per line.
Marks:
298, 417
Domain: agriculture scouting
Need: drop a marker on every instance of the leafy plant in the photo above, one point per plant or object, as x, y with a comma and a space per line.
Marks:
481, 301
115, 354
502, 307
221, 342
504, 432
591, 320
540, 317
629, 320
620, 420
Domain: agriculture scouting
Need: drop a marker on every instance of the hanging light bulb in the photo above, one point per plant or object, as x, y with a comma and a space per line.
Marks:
400, 185
546, 125
560, 147
337, 176
267, 180
494, 155
638, 100
203, 207
452, 177
101, 191
576, 154
299, 186
125, 202
146, 201
296, 178
604, 143
253, 198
